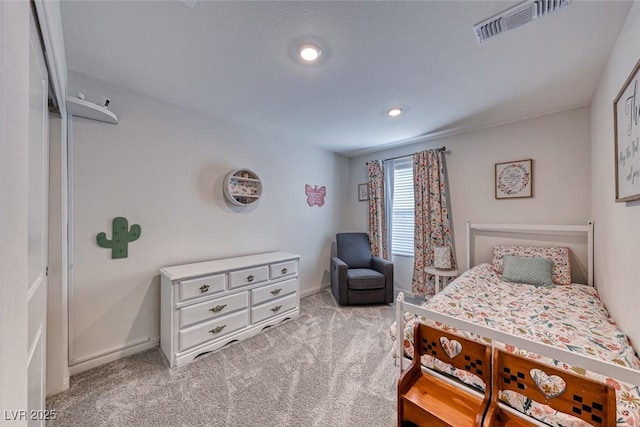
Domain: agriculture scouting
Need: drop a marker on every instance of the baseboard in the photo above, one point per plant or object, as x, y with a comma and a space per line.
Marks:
65, 383
154, 342
114, 355
397, 290
314, 290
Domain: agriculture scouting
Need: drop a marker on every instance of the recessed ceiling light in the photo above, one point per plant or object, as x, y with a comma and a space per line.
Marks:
309, 52
394, 111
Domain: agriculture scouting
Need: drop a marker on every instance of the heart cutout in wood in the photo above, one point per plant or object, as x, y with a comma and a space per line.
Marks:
451, 347
550, 385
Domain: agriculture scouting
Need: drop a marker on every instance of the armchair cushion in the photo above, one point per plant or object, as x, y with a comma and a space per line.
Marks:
364, 278
354, 249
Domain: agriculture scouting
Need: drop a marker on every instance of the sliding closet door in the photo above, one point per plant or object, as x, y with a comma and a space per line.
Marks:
37, 228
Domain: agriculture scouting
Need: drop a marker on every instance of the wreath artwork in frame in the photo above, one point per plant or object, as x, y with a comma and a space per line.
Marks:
363, 192
514, 180
626, 117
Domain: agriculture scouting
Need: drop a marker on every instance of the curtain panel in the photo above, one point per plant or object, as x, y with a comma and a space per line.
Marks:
377, 212
432, 224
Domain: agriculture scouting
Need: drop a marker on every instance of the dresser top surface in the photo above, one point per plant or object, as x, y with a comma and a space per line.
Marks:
178, 272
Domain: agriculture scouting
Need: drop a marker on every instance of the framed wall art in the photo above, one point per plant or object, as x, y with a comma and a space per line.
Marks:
626, 118
514, 180
363, 192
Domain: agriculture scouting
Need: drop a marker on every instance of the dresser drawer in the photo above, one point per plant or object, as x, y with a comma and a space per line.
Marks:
269, 292
282, 269
248, 276
272, 308
207, 285
214, 329
212, 308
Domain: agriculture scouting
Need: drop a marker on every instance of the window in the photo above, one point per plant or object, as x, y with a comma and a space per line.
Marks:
402, 207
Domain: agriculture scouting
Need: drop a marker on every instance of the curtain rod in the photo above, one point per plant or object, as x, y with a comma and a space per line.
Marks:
443, 149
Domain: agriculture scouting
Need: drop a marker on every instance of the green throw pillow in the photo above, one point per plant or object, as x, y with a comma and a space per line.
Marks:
529, 270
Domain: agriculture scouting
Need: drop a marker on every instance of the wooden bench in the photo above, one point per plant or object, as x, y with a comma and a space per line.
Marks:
563, 391
426, 400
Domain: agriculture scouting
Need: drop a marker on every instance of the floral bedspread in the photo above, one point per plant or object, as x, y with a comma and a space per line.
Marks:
571, 317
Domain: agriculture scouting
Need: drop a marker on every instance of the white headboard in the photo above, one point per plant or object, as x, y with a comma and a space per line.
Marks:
579, 238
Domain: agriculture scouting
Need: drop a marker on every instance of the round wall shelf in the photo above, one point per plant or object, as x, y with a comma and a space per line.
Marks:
242, 187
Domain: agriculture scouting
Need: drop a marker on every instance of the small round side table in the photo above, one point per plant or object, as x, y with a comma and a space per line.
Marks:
438, 273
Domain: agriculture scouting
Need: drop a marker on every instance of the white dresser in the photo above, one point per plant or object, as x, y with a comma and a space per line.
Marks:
206, 305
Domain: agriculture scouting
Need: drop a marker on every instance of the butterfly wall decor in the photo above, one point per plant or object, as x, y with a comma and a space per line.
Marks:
315, 195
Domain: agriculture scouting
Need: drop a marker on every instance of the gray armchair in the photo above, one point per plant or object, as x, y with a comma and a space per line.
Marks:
356, 276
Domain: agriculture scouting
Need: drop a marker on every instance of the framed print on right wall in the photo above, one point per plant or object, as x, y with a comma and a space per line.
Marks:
514, 180
626, 118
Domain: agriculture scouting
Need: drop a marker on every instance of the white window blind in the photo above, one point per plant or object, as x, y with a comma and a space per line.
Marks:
402, 213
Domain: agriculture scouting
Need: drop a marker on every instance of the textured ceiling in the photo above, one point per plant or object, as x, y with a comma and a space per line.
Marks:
235, 61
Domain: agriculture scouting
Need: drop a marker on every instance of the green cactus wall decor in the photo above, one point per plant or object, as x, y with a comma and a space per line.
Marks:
120, 237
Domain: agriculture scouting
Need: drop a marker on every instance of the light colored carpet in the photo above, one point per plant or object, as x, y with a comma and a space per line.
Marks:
332, 366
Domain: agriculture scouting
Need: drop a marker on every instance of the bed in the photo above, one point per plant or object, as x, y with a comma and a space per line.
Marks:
563, 325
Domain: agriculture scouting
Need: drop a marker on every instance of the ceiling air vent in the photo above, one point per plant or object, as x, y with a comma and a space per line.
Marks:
516, 16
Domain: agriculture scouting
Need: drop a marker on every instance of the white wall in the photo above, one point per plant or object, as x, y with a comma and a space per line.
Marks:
617, 225
559, 145
162, 167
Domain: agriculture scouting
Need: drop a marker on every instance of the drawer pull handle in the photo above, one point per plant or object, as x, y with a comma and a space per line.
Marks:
217, 308
204, 288
217, 329
276, 308
250, 278
276, 291
283, 271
